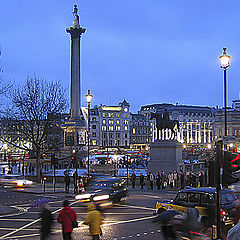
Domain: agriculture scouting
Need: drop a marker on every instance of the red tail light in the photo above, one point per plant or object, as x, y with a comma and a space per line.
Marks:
224, 213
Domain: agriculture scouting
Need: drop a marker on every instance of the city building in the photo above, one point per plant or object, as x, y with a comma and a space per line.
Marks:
110, 126
196, 122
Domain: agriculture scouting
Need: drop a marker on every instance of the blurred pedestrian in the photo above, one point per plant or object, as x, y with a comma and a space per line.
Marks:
170, 179
151, 178
46, 221
182, 179
66, 216
67, 182
175, 179
80, 185
158, 181
201, 179
234, 232
164, 180
75, 182
133, 179
141, 177
94, 219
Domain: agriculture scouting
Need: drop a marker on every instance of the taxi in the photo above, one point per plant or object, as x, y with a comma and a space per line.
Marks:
204, 200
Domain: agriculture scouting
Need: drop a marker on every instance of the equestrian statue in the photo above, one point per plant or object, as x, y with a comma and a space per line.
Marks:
164, 123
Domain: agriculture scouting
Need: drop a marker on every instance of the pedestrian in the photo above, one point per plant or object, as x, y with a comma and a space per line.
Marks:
194, 180
164, 180
148, 181
66, 216
133, 179
170, 179
75, 182
46, 221
201, 179
94, 219
158, 180
234, 232
182, 179
67, 182
175, 179
80, 185
141, 177
151, 178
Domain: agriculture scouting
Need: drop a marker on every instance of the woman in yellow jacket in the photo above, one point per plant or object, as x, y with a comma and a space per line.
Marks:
94, 219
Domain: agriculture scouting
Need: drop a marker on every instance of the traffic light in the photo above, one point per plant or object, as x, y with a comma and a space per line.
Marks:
231, 163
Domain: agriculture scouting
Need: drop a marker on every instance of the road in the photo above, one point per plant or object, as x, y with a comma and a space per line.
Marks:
131, 220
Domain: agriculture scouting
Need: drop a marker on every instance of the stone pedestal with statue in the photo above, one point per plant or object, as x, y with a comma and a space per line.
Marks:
165, 150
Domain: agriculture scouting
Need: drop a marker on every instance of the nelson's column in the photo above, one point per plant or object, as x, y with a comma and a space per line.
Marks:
74, 129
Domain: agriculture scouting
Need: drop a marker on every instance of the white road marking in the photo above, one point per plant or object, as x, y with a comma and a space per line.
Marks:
144, 208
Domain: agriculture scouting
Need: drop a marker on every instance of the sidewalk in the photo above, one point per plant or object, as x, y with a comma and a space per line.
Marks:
4, 210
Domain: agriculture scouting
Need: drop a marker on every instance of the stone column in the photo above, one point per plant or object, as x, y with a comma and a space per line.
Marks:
75, 30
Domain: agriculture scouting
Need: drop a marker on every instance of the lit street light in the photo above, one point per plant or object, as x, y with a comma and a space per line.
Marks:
89, 97
224, 60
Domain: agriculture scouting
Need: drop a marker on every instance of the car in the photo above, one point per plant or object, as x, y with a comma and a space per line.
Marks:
104, 191
204, 200
14, 181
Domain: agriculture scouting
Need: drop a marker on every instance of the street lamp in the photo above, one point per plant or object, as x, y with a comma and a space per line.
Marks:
225, 62
89, 97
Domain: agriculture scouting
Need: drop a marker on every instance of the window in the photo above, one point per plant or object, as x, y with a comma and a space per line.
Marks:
111, 122
94, 126
104, 128
118, 128
117, 115
94, 142
126, 115
118, 135
194, 198
111, 128
126, 135
104, 121
126, 128
118, 122
134, 131
181, 197
94, 134
110, 135
103, 114
110, 114
126, 122
94, 118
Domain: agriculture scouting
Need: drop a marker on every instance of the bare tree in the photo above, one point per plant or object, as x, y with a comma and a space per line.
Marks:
29, 119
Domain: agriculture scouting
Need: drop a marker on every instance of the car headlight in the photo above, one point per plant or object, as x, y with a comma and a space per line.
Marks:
83, 196
20, 183
101, 197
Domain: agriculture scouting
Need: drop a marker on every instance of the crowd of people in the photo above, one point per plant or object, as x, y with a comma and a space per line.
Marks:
172, 180
67, 217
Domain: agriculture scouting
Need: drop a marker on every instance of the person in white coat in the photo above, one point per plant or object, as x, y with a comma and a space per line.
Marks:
234, 233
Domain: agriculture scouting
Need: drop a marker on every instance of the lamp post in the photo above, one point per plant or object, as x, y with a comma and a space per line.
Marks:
89, 97
224, 60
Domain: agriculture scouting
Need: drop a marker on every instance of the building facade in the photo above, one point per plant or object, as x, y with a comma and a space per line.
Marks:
196, 122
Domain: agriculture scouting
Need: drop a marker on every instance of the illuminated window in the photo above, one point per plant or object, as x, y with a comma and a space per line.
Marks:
104, 121
125, 122
117, 115
94, 134
126, 128
103, 114
104, 128
118, 128
111, 122
126, 115
94, 142
118, 121
134, 131
110, 114
111, 128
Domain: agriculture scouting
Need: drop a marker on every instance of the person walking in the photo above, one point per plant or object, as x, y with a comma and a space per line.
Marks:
75, 182
158, 180
170, 179
94, 219
175, 179
133, 179
67, 183
46, 221
151, 178
182, 179
164, 180
66, 216
80, 185
141, 177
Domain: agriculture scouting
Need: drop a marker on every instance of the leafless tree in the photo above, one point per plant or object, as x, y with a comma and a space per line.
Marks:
30, 118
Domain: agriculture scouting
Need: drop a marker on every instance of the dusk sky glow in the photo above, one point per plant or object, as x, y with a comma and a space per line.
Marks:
143, 51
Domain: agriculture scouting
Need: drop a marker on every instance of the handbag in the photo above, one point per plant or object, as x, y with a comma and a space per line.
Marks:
74, 222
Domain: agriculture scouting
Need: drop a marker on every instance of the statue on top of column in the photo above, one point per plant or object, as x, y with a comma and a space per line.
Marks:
76, 17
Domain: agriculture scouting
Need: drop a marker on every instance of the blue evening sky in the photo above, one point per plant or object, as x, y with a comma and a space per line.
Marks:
147, 52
